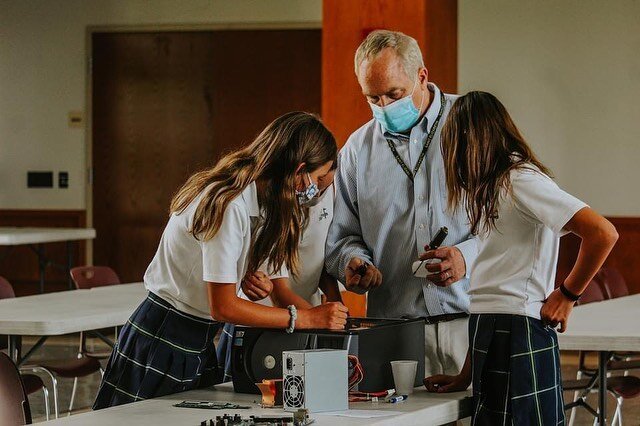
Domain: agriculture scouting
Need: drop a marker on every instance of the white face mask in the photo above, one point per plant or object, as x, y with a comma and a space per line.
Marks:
309, 193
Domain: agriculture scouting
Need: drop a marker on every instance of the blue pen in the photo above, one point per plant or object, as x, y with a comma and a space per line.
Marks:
397, 398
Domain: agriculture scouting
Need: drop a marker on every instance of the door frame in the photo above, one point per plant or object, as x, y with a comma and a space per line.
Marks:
91, 29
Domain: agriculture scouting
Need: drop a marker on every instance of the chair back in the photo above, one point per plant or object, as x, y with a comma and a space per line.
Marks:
613, 282
86, 277
14, 404
593, 293
6, 290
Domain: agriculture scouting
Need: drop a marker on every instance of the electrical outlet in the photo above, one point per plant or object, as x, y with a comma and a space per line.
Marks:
63, 179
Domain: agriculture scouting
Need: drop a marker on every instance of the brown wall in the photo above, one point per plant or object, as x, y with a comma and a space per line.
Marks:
625, 256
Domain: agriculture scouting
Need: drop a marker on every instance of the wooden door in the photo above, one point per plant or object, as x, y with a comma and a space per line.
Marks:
168, 104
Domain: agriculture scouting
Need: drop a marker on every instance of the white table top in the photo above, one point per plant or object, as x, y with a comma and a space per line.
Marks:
422, 408
611, 325
13, 236
71, 311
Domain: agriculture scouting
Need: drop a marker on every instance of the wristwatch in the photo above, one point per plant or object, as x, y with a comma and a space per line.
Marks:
568, 294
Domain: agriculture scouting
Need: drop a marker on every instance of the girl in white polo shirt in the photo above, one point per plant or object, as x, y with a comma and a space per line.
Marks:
243, 213
518, 214
308, 284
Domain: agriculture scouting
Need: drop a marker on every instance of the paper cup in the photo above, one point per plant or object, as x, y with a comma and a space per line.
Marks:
404, 376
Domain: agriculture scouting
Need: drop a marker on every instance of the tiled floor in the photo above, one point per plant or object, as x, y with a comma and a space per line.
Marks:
61, 347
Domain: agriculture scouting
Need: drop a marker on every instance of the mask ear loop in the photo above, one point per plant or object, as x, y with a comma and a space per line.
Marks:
422, 98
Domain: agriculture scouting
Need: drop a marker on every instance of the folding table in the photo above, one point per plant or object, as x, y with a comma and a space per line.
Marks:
35, 238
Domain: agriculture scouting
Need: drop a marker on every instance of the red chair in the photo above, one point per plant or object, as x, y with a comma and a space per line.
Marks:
86, 277
593, 293
30, 382
67, 368
14, 404
613, 283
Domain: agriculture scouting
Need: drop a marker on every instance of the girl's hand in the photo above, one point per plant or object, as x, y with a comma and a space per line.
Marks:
332, 316
441, 383
556, 310
257, 286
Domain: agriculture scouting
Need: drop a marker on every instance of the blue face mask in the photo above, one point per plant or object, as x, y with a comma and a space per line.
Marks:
398, 116
310, 192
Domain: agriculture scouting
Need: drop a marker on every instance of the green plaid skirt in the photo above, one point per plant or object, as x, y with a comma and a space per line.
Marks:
160, 351
516, 371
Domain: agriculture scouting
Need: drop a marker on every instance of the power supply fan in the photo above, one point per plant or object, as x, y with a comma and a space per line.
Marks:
293, 391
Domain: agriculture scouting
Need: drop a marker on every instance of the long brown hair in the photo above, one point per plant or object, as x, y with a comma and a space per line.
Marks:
274, 155
481, 145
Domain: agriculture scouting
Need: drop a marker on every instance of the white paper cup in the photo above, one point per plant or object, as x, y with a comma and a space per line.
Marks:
404, 376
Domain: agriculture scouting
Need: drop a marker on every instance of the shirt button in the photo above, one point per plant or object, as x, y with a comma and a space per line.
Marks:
421, 198
421, 226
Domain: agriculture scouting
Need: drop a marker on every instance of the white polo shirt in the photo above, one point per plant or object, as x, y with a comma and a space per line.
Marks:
311, 248
516, 265
311, 251
182, 265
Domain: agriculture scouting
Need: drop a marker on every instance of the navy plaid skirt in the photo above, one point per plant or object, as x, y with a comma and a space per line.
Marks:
516, 371
160, 351
223, 352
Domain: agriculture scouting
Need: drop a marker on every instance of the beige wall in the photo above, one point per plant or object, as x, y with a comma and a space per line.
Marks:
42, 78
569, 72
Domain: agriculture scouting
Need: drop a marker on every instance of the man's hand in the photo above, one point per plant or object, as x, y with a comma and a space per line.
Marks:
359, 277
257, 286
442, 383
451, 268
556, 310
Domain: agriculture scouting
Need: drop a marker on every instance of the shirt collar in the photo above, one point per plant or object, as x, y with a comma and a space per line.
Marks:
427, 119
250, 197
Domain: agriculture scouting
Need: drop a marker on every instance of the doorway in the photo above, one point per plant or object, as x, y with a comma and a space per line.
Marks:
166, 104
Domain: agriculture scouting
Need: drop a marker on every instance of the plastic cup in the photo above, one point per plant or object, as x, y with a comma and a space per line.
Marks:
404, 376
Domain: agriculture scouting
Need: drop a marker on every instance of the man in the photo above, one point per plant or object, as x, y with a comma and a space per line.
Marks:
391, 199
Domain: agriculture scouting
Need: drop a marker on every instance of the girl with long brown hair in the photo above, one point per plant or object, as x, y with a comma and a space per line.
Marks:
518, 214
243, 215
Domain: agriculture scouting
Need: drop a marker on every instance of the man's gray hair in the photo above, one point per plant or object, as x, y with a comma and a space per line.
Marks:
405, 47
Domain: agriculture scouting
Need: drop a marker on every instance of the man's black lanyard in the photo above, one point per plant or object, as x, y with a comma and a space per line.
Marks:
432, 132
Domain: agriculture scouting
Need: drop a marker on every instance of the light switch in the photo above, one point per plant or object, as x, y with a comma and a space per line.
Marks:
76, 119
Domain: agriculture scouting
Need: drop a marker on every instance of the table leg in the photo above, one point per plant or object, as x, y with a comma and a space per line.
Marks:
42, 265
15, 346
69, 264
603, 359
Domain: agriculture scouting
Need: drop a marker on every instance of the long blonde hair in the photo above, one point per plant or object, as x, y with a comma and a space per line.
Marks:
274, 155
481, 145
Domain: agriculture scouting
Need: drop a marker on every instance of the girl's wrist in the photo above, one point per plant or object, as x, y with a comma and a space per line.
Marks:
303, 319
568, 294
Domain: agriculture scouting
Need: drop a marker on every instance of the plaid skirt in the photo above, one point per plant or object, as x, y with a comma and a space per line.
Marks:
516, 371
223, 352
160, 351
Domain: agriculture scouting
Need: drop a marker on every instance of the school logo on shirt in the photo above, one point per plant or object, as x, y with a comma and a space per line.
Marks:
324, 214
